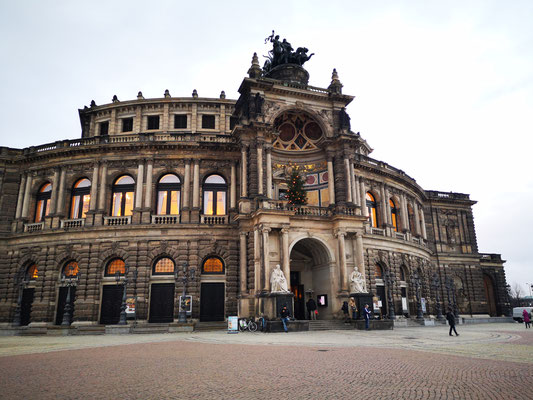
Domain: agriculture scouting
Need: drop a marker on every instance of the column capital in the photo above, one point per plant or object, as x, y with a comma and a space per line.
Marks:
243, 234
340, 233
284, 231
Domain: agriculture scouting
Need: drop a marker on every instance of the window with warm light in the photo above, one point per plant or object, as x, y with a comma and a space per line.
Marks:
43, 202
81, 197
379, 272
115, 265
372, 209
213, 265
71, 269
394, 214
214, 190
33, 272
164, 266
123, 196
168, 195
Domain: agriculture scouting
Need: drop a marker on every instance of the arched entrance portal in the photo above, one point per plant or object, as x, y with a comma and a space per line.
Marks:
489, 293
310, 278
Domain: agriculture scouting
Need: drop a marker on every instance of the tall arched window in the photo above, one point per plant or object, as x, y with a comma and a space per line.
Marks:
81, 198
70, 270
164, 266
123, 196
215, 189
372, 209
117, 264
43, 202
32, 272
379, 272
168, 195
394, 214
402, 273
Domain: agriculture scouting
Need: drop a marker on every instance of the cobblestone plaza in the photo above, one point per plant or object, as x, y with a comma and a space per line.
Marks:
487, 361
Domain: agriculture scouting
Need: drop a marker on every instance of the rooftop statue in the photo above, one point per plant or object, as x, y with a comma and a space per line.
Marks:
283, 53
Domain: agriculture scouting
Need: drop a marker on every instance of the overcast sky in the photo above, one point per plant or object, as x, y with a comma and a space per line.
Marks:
444, 89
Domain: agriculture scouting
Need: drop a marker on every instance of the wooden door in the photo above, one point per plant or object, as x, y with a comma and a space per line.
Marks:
111, 303
162, 303
212, 302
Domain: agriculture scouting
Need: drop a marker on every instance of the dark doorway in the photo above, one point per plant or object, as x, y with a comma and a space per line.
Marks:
299, 298
25, 306
380, 292
111, 302
162, 303
489, 294
62, 301
212, 302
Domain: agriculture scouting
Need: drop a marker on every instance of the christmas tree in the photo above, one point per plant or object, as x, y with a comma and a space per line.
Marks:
296, 193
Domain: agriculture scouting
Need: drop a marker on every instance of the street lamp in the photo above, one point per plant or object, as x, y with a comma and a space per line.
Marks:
188, 275
70, 280
416, 282
389, 281
23, 282
452, 300
122, 320
435, 283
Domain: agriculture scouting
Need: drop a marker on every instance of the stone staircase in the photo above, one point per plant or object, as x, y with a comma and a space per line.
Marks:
211, 326
150, 328
329, 325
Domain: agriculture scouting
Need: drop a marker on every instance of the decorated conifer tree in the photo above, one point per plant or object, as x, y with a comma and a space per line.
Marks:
296, 193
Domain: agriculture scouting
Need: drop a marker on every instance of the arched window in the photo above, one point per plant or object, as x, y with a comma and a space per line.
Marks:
164, 266
70, 270
115, 265
32, 272
372, 209
213, 265
215, 189
43, 202
168, 195
123, 196
394, 214
402, 273
379, 272
81, 198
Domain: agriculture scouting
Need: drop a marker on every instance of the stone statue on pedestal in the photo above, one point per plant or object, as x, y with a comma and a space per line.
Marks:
278, 283
357, 282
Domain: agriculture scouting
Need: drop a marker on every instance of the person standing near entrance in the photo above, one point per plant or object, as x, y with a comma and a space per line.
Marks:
451, 321
311, 308
367, 317
345, 311
284, 314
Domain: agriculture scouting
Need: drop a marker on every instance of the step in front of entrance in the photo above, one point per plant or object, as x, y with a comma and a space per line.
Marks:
211, 326
329, 325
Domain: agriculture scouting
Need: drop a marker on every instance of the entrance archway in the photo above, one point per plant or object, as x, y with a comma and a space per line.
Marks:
489, 294
310, 278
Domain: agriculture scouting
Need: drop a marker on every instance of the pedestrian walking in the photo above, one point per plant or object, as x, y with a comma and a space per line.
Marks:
367, 317
527, 318
311, 308
451, 321
284, 314
345, 311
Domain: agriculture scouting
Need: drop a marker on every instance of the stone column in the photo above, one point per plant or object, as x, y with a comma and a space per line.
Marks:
233, 187
359, 253
384, 208
423, 223
196, 185
257, 261
363, 197
349, 198
405, 223
269, 173
331, 181
148, 190
20, 197
244, 172
352, 183
187, 184
61, 195
94, 187
417, 218
242, 263
286, 267
103, 179
27, 195
53, 197
259, 168
342, 261
387, 205
266, 258
139, 189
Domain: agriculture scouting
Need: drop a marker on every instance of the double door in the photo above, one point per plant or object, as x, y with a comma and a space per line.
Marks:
162, 303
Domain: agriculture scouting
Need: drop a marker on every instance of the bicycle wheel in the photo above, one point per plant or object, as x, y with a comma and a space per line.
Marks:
252, 326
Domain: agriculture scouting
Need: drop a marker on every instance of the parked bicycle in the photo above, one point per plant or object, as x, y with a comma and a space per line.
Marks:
247, 324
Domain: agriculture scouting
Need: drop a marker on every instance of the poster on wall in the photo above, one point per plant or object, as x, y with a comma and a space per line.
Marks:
130, 307
423, 302
404, 304
186, 304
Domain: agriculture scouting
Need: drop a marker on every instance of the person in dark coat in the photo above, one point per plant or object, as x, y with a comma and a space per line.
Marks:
345, 311
451, 321
311, 308
284, 314
366, 314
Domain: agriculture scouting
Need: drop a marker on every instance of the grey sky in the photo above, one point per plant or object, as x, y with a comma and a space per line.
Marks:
443, 89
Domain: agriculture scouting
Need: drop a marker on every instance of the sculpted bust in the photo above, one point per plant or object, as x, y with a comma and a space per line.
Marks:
278, 283
357, 282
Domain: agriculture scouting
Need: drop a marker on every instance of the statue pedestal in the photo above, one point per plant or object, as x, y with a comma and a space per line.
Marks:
272, 303
360, 300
